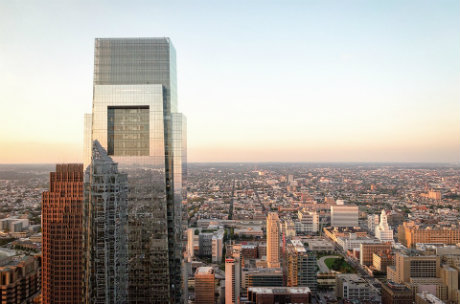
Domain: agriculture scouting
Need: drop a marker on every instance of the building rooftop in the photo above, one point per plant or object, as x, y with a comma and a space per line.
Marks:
5, 252
280, 290
298, 245
428, 297
353, 279
204, 270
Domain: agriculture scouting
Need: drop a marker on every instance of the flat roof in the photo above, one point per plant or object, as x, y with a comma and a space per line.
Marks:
280, 290
204, 270
298, 245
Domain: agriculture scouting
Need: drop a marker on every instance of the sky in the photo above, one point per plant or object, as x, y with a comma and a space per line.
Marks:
259, 81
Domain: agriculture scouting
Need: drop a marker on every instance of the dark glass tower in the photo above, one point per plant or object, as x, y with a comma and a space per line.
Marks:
135, 119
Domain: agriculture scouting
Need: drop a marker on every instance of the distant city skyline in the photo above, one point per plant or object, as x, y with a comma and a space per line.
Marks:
264, 81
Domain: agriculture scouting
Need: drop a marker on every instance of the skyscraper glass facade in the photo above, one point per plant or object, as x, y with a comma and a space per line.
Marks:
135, 119
105, 237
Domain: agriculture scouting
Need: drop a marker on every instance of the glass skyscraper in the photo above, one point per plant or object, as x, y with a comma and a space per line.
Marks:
136, 120
105, 237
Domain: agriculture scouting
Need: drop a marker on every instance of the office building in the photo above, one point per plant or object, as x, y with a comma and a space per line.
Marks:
410, 233
261, 277
273, 240
317, 245
382, 259
353, 241
19, 279
450, 277
383, 232
191, 242
344, 216
352, 286
232, 280
217, 246
249, 251
106, 225
413, 266
13, 224
273, 295
366, 251
204, 285
62, 232
136, 120
233, 265
301, 266
262, 250
308, 221
205, 241
393, 293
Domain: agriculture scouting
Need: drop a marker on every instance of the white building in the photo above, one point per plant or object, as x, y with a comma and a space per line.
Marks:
384, 232
344, 216
289, 228
308, 221
13, 224
320, 245
372, 222
354, 242
217, 246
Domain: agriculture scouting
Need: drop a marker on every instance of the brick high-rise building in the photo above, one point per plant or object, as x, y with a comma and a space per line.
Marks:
62, 232
204, 285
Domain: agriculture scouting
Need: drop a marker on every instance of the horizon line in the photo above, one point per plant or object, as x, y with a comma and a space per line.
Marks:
279, 162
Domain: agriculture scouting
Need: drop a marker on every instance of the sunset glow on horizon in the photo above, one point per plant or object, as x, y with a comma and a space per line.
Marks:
264, 81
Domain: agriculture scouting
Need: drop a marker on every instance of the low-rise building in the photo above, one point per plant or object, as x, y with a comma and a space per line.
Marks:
273, 295
352, 286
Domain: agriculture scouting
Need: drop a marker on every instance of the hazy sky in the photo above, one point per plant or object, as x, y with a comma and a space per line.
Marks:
258, 80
